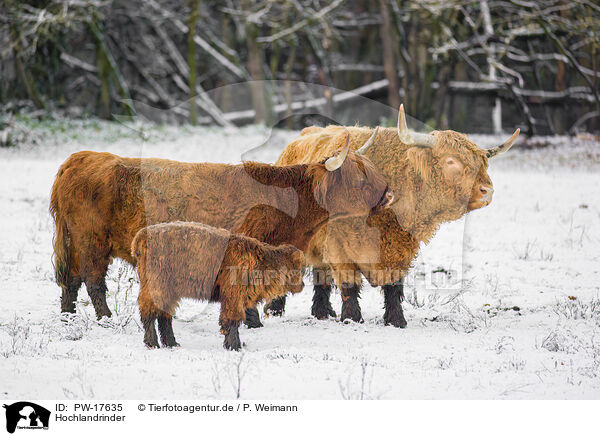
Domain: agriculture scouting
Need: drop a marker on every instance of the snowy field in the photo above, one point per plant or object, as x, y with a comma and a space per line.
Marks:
524, 321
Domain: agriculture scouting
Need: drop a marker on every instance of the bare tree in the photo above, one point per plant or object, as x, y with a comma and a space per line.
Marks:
389, 62
192, 20
255, 66
532, 63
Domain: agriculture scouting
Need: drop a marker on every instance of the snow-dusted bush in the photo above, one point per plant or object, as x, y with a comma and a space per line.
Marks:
572, 307
562, 340
21, 341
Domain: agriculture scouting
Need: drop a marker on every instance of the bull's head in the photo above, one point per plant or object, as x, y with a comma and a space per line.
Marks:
349, 184
451, 170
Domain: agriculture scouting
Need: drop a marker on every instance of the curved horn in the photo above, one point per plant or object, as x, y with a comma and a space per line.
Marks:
412, 138
504, 147
334, 162
370, 141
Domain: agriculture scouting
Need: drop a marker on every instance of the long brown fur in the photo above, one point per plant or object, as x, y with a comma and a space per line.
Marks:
383, 247
191, 260
100, 201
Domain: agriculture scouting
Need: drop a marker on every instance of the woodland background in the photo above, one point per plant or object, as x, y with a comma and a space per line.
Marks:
470, 66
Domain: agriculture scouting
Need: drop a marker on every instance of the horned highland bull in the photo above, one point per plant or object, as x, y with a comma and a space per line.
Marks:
100, 201
436, 178
191, 260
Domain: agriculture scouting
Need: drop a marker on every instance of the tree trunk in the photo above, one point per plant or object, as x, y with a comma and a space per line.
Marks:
489, 30
103, 75
389, 62
288, 84
22, 72
440, 100
559, 85
255, 68
226, 96
412, 74
191, 46
109, 63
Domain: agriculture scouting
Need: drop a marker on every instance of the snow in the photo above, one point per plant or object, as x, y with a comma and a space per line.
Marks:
522, 322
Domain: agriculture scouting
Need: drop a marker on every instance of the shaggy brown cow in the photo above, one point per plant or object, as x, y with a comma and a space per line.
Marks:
100, 201
436, 178
191, 260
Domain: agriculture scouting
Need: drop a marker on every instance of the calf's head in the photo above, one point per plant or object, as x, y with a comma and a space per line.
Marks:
348, 184
291, 262
279, 268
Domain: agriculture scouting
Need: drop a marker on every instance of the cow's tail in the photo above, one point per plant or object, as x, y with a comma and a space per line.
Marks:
62, 252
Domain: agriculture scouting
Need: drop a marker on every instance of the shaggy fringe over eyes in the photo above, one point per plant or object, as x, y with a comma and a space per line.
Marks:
457, 142
420, 160
354, 168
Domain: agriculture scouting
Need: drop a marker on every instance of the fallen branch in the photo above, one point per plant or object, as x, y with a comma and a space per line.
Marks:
72, 61
535, 96
575, 127
299, 106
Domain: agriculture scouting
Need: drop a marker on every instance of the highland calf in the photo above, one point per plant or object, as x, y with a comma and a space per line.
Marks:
191, 260
100, 201
436, 178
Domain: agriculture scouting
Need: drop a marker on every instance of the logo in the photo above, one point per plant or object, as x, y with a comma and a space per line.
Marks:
25, 415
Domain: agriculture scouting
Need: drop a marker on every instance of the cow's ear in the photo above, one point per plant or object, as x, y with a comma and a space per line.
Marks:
420, 159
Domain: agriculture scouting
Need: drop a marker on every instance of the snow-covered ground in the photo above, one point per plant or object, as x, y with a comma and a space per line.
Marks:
523, 323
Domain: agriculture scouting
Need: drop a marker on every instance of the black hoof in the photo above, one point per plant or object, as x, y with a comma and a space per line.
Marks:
350, 306
351, 313
321, 307
97, 293
252, 319
349, 320
397, 320
165, 330
393, 296
169, 343
232, 342
103, 313
69, 309
275, 307
151, 344
322, 312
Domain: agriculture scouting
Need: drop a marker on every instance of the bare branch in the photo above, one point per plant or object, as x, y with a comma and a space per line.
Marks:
301, 24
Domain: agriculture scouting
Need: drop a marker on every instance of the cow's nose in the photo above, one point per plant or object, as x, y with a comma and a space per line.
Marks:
486, 192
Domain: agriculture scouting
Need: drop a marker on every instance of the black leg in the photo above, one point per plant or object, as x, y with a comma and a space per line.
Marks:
276, 307
165, 329
321, 307
350, 306
69, 295
150, 337
232, 336
252, 319
393, 295
97, 292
